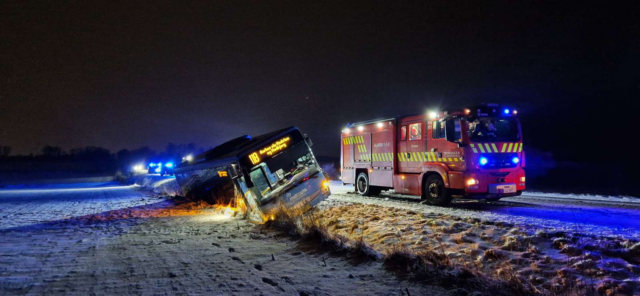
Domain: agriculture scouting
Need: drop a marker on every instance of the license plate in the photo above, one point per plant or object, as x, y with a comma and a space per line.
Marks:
502, 188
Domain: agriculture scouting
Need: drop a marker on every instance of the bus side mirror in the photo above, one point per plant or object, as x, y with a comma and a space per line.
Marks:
308, 140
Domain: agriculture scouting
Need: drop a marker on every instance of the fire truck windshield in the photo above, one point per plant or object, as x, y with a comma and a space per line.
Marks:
488, 129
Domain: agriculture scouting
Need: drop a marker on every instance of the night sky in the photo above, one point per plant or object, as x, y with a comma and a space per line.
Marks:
124, 75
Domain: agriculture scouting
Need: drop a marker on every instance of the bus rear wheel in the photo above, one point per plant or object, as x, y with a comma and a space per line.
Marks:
434, 191
363, 187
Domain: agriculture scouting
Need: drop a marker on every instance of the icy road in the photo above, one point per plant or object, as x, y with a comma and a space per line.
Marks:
590, 215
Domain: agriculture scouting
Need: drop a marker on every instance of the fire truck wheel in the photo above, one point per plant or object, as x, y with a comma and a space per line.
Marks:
362, 185
434, 191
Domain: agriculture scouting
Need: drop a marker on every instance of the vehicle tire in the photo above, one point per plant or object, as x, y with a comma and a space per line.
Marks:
434, 191
362, 185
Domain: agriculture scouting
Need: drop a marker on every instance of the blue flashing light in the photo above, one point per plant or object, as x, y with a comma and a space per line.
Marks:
169, 165
158, 170
506, 111
515, 160
483, 160
152, 164
159, 164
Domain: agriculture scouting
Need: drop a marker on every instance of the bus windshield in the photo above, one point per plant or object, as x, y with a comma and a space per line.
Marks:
278, 170
489, 129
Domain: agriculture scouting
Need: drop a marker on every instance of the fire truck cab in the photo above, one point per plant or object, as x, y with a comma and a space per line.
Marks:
473, 153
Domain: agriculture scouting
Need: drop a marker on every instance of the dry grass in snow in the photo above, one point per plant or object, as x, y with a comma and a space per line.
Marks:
474, 255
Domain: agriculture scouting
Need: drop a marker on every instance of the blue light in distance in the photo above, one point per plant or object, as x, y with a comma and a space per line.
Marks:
483, 160
158, 170
515, 159
159, 164
152, 164
169, 164
506, 111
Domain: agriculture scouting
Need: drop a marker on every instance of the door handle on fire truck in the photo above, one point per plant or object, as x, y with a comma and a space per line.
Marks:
408, 155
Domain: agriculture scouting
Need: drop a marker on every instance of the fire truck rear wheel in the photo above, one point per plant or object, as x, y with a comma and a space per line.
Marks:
363, 187
434, 191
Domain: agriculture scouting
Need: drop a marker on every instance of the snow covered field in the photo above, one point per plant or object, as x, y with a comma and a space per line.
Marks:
105, 238
123, 240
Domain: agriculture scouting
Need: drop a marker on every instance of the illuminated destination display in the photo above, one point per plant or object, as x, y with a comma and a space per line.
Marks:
270, 150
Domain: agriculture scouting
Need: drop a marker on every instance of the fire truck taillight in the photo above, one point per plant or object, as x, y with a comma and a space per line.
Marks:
472, 182
467, 111
522, 179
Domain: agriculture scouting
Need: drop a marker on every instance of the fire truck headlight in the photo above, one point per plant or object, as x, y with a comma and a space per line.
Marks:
483, 160
169, 165
515, 160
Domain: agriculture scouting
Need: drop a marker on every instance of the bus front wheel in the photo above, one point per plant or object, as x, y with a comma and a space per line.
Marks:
434, 191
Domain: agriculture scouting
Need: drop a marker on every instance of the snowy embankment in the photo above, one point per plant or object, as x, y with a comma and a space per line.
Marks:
553, 249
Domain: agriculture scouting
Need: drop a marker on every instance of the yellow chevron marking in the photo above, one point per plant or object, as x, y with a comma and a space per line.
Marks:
510, 146
455, 159
494, 148
364, 147
515, 147
361, 139
488, 147
481, 148
504, 147
399, 157
520, 148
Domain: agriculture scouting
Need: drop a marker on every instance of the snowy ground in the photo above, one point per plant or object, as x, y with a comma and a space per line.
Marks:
104, 238
554, 244
127, 240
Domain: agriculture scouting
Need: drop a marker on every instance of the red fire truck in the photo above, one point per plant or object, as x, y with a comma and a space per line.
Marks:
475, 152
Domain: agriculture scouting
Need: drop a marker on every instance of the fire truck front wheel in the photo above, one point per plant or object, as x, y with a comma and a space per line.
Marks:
434, 191
363, 187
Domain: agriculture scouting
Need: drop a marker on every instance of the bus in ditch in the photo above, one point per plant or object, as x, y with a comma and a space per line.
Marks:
262, 173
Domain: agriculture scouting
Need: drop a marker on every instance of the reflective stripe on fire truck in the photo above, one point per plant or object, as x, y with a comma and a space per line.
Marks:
481, 148
473, 146
510, 146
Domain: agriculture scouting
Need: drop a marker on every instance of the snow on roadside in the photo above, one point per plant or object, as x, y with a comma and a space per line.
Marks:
536, 217
584, 197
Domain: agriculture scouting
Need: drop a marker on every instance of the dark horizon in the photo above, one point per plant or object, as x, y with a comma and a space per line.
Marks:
127, 75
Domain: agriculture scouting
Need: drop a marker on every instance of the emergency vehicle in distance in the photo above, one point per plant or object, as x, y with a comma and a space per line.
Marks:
471, 153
